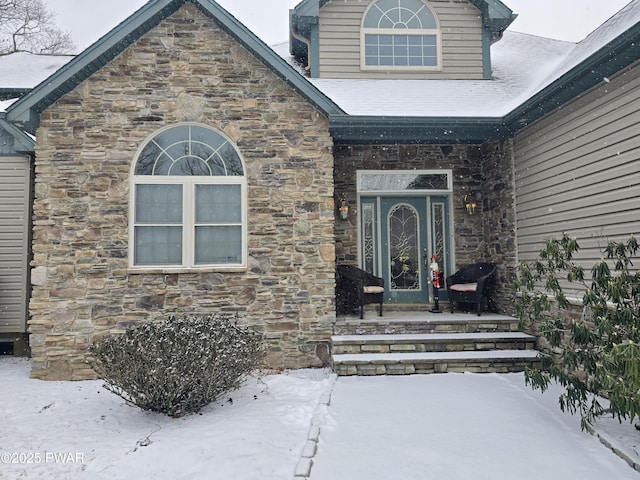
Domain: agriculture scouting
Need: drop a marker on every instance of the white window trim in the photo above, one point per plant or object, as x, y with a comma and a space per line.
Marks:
188, 215
382, 192
391, 31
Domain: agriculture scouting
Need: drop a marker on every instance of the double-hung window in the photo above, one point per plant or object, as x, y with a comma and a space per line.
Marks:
188, 205
400, 34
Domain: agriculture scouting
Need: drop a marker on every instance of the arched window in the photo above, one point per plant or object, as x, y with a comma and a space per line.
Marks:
400, 34
188, 201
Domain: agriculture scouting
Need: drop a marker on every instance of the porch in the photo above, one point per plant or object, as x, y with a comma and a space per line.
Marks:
416, 341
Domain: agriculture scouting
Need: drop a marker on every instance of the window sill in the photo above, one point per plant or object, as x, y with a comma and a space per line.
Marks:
183, 270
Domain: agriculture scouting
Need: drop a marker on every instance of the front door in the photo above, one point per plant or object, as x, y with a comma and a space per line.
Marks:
399, 235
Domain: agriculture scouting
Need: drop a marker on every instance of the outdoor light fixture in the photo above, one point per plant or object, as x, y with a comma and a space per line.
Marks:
471, 202
343, 207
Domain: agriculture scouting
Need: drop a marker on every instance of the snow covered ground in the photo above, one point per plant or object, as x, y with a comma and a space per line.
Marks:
441, 427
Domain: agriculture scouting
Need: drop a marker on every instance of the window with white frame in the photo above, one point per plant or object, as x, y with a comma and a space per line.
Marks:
188, 201
400, 34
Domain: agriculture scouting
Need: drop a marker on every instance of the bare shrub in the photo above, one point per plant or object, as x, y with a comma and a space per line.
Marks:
178, 365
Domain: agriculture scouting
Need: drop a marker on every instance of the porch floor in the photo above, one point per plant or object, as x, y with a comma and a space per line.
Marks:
420, 316
423, 321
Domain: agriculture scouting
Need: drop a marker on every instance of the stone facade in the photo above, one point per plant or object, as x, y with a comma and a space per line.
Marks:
487, 235
184, 70
499, 218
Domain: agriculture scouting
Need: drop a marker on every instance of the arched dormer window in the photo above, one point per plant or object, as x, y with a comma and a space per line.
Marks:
188, 201
400, 34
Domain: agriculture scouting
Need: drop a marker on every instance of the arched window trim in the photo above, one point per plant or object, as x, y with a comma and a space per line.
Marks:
414, 32
189, 225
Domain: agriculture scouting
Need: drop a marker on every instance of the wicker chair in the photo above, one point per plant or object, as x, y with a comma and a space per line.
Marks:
471, 284
356, 288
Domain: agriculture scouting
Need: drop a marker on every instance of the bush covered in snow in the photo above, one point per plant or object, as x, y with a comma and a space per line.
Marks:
178, 365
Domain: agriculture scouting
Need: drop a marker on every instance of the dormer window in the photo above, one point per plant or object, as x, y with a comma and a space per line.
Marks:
400, 34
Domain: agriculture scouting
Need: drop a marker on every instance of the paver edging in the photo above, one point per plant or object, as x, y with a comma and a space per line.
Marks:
608, 442
305, 463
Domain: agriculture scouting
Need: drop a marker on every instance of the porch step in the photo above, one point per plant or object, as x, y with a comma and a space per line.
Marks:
431, 342
419, 342
493, 361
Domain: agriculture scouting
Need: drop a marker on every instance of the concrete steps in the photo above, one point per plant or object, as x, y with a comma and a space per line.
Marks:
431, 342
422, 343
404, 323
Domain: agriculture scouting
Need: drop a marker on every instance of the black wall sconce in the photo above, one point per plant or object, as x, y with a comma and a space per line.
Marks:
471, 201
343, 207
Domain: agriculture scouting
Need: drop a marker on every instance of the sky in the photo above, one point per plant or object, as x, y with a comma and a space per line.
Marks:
571, 20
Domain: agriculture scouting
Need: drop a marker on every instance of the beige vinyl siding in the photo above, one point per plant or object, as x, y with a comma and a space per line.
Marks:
14, 238
461, 30
578, 171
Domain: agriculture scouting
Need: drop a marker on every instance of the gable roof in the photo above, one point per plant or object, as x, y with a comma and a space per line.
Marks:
532, 76
520, 62
387, 111
26, 110
610, 48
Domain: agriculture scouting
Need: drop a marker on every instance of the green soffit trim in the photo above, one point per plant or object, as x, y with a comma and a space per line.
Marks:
22, 143
356, 130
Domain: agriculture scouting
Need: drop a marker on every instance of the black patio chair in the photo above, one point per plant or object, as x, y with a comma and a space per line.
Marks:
471, 284
356, 288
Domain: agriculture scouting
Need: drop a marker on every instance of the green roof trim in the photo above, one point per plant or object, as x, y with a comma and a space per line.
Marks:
9, 93
617, 55
620, 53
22, 142
26, 111
356, 130
496, 16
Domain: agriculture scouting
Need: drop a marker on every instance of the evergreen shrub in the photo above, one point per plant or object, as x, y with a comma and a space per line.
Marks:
176, 366
600, 351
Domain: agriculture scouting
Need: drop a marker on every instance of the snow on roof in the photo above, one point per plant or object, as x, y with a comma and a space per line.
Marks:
522, 66
4, 104
520, 62
613, 28
26, 70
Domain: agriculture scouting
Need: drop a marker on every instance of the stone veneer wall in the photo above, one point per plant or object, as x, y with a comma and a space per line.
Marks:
487, 235
500, 219
185, 69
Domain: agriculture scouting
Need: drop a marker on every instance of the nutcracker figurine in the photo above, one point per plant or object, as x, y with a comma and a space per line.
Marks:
435, 279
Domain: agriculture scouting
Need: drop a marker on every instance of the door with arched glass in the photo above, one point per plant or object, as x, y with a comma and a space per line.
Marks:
404, 220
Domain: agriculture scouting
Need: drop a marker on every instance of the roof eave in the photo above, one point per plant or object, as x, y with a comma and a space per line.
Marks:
354, 130
496, 16
26, 111
17, 92
620, 53
22, 143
